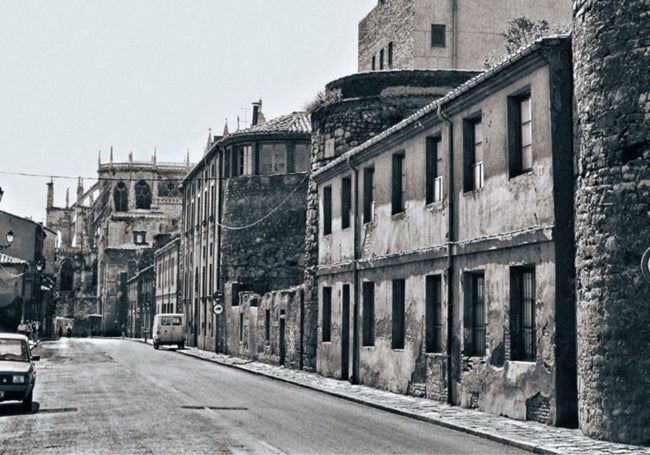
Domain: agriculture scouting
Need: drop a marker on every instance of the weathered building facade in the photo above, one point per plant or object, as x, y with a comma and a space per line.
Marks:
165, 263
453, 297
244, 212
445, 34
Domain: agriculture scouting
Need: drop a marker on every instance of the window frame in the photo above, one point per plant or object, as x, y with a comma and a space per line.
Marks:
368, 314
327, 210
433, 314
346, 202
398, 191
438, 35
474, 175
434, 169
475, 317
326, 311
368, 194
523, 324
398, 326
516, 124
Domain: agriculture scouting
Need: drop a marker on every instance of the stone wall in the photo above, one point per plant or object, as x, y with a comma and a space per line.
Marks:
248, 314
390, 21
611, 61
264, 231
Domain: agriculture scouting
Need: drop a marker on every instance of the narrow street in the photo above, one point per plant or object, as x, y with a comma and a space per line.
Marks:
117, 396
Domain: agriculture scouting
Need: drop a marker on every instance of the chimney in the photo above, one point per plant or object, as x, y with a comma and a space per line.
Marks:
80, 190
50, 194
257, 113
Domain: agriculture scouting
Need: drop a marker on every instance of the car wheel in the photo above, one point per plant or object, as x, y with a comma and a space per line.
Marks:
181, 345
27, 402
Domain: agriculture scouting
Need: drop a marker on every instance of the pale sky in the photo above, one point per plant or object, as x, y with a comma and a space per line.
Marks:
80, 76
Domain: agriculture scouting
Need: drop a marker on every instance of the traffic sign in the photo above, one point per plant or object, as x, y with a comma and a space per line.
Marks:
217, 308
645, 265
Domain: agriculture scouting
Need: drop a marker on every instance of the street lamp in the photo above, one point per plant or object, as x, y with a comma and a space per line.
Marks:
10, 240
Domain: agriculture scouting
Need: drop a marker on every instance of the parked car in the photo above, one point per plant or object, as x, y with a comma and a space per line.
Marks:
17, 370
169, 328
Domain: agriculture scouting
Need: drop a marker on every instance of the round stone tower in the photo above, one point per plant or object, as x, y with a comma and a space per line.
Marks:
611, 57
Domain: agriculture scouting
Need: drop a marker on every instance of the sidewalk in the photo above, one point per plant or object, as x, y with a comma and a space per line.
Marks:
532, 436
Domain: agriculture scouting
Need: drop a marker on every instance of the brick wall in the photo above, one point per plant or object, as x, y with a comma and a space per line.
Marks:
611, 61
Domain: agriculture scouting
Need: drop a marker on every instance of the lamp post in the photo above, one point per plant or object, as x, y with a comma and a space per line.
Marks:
10, 240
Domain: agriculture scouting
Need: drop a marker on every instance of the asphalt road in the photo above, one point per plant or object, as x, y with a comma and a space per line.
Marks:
118, 396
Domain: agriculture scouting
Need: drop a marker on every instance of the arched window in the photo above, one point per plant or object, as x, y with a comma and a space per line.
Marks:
121, 197
142, 195
66, 276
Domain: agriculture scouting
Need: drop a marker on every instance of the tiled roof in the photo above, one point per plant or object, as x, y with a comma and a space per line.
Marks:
6, 259
296, 122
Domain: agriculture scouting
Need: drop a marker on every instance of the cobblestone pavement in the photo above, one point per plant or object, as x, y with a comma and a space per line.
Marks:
532, 436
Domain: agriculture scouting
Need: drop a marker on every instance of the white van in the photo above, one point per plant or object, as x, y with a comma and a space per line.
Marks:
169, 328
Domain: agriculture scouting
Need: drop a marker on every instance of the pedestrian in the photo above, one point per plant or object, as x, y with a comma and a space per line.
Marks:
60, 331
123, 330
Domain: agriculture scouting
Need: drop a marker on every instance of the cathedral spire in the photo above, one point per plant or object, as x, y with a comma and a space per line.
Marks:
225, 129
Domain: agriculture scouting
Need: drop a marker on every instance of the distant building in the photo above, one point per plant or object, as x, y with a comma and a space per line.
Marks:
107, 236
244, 220
141, 292
165, 262
445, 34
445, 247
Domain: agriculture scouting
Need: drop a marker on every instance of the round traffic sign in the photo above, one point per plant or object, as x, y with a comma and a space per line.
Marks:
217, 308
645, 265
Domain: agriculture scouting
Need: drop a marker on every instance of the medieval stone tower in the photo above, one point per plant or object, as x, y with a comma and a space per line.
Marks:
612, 93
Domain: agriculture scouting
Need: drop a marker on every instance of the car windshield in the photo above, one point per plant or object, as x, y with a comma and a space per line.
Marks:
14, 350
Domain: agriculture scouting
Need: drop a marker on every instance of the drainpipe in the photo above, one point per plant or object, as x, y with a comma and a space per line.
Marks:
355, 278
454, 34
451, 238
219, 182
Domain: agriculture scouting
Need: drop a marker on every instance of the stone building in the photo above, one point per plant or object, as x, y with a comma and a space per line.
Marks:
244, 222
165, 263
612, 201
445, 34
107, 236
30, 250
453, 297
141, 292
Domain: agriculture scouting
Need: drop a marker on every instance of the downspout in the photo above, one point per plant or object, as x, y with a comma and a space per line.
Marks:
451, 238
355, 278
220, 180
454, 34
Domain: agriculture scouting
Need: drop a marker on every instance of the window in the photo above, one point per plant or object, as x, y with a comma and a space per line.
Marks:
374, 64
434, 170
520, 134
241, 327
142, 195
522, 314
267, 326
368, 321
381, 59
327, 210
390, 55
475, 314
438, 38
398, 314
121, 197
473, 153
273, 159
398, 183
139, 237
368, 194
246, 153
346, 202
301, 158
67, 276
327, 314
433, 329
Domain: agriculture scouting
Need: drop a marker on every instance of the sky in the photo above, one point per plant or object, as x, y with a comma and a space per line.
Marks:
78, 77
